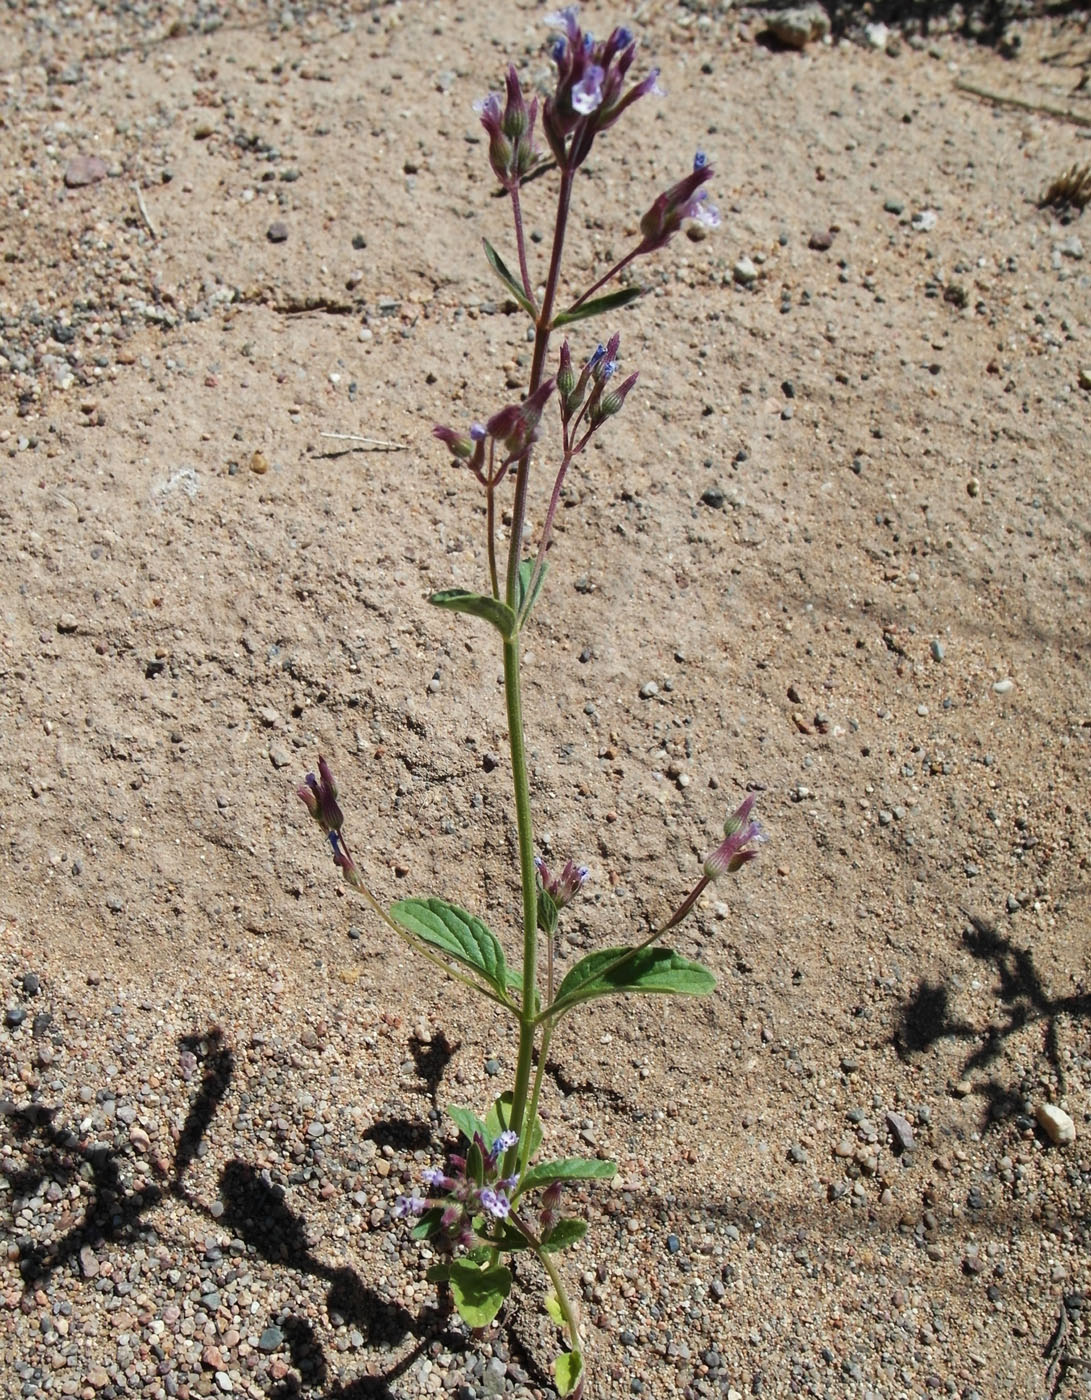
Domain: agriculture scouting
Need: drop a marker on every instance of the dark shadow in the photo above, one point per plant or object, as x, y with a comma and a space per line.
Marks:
431, 1059
219, 1066
926, 1017
406, 1134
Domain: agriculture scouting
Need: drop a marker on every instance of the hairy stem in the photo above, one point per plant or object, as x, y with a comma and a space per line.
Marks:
521, 785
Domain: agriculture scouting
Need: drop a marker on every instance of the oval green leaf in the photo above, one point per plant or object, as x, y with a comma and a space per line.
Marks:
462, 937
564, 1233
478, 1293
468, 1123
524, 602
650, 971
477, 605
568, 1169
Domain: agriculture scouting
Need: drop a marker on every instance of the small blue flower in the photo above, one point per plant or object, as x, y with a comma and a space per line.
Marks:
495, 1202
587, 93
409, 1205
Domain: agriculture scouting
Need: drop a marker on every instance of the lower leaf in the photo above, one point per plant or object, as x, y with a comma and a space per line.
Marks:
569, 1369
478, 1293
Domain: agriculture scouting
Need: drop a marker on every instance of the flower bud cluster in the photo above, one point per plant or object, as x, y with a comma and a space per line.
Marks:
512, 153
470, 1188
595, 384
319, 796
590, 94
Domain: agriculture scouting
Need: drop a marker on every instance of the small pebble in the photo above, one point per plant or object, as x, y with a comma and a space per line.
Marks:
648, 690
277, 232
1057, 1125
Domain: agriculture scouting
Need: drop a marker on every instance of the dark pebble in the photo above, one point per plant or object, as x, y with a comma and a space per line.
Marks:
14, 1016
277, 232
673, 1245
492, 1067
270, 1339
359, 241
32, 984
713, 496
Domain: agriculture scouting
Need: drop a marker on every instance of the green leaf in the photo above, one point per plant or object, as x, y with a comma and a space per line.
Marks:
612, 301
570, 1169
428, 1223
651, 970
438, 1273
479, 1293
500, 267
491, 609
498, 1120
569, 1368
458, 934
522, 583
468, 1124
553, 1308
564, 1233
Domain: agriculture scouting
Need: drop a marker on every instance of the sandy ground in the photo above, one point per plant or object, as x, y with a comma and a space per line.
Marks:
842, 524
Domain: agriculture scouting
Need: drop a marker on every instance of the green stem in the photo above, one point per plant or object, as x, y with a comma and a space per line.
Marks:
567, 1309
521, 784
532, 1116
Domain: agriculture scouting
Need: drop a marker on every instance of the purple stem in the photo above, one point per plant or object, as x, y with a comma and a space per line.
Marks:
547, 528
537, 370
606, 277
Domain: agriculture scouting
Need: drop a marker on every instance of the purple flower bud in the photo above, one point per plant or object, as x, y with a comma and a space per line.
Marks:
566, 375
459, 444
741, 839
516, 426
611, 402
562, 888
319, 795
684, 200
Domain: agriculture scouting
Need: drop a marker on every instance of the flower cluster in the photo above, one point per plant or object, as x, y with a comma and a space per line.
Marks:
589, 96
741, 840
470, 1191
556, 891
506, 436
319, 796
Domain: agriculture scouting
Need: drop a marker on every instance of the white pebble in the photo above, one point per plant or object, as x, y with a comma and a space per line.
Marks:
1056, 1124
